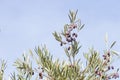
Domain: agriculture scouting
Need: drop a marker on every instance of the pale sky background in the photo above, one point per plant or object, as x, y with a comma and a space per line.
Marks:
26, 24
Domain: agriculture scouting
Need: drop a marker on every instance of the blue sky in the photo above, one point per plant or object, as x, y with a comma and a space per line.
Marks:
25, 24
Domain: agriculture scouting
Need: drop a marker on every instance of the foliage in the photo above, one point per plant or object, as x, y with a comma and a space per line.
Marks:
2, 68
96, 68
24, 69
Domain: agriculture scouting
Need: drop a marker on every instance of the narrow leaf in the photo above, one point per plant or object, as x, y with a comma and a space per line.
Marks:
112, 44
115, 52
106, 38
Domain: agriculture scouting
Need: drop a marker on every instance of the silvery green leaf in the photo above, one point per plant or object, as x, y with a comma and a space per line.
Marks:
106, 38
115, 52
112, 44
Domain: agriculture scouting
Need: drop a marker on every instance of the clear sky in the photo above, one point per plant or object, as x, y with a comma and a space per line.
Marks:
25, 24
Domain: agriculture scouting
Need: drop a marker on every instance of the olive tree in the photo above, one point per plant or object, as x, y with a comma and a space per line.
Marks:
97, 67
